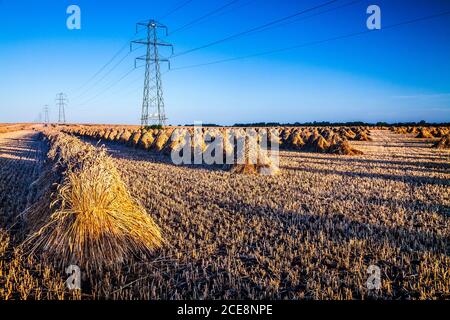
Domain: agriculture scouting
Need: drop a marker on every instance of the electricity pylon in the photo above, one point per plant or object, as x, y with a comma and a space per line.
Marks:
153, 100
46, 114
61, 101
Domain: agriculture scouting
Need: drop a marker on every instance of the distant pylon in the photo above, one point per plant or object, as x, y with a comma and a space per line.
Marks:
61, 101
46, 114
153, 100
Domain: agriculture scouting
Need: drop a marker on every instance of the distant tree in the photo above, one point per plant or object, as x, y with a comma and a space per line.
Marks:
154, 126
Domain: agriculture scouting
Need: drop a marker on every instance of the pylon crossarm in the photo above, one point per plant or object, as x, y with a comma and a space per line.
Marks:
151, 24
144, 41
140, 41
144, 58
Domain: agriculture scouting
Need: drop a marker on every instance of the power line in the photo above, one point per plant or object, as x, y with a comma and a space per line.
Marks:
152, 42
122, 91
344, 5
180, 6
106, 74
125, 90
205, 16
109, 87
264, 26
106, 64
315, 42
286, 48
103, 67
179, 29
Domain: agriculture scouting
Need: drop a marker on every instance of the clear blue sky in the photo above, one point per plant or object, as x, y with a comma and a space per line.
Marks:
398, 74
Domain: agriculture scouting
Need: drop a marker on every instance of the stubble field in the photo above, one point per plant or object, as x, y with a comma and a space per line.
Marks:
312, 231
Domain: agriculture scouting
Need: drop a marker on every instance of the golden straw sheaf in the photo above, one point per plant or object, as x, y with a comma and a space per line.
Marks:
92, 220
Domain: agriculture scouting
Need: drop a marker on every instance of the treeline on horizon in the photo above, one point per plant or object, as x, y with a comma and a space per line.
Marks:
422, 123
295, 124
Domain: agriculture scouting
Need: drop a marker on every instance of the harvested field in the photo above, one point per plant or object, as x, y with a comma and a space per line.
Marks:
23, 277
4, 128
310, 232
257, 237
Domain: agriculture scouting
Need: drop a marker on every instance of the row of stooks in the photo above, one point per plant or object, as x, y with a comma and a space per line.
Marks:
324, 140
81, 212
443, 133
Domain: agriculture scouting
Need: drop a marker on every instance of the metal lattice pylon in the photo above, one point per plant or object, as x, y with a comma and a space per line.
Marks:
46, 114
153, 110
61, 100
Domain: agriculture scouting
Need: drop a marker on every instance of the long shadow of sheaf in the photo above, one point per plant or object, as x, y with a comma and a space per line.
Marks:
414, 142
366, 167
22, 148
426, 147
437, 165
420, 180
439, 156
341, 229
22, 140
23, 154
410, 205
17, 178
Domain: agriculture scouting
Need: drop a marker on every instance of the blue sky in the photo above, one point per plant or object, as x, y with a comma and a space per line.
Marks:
398, 74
